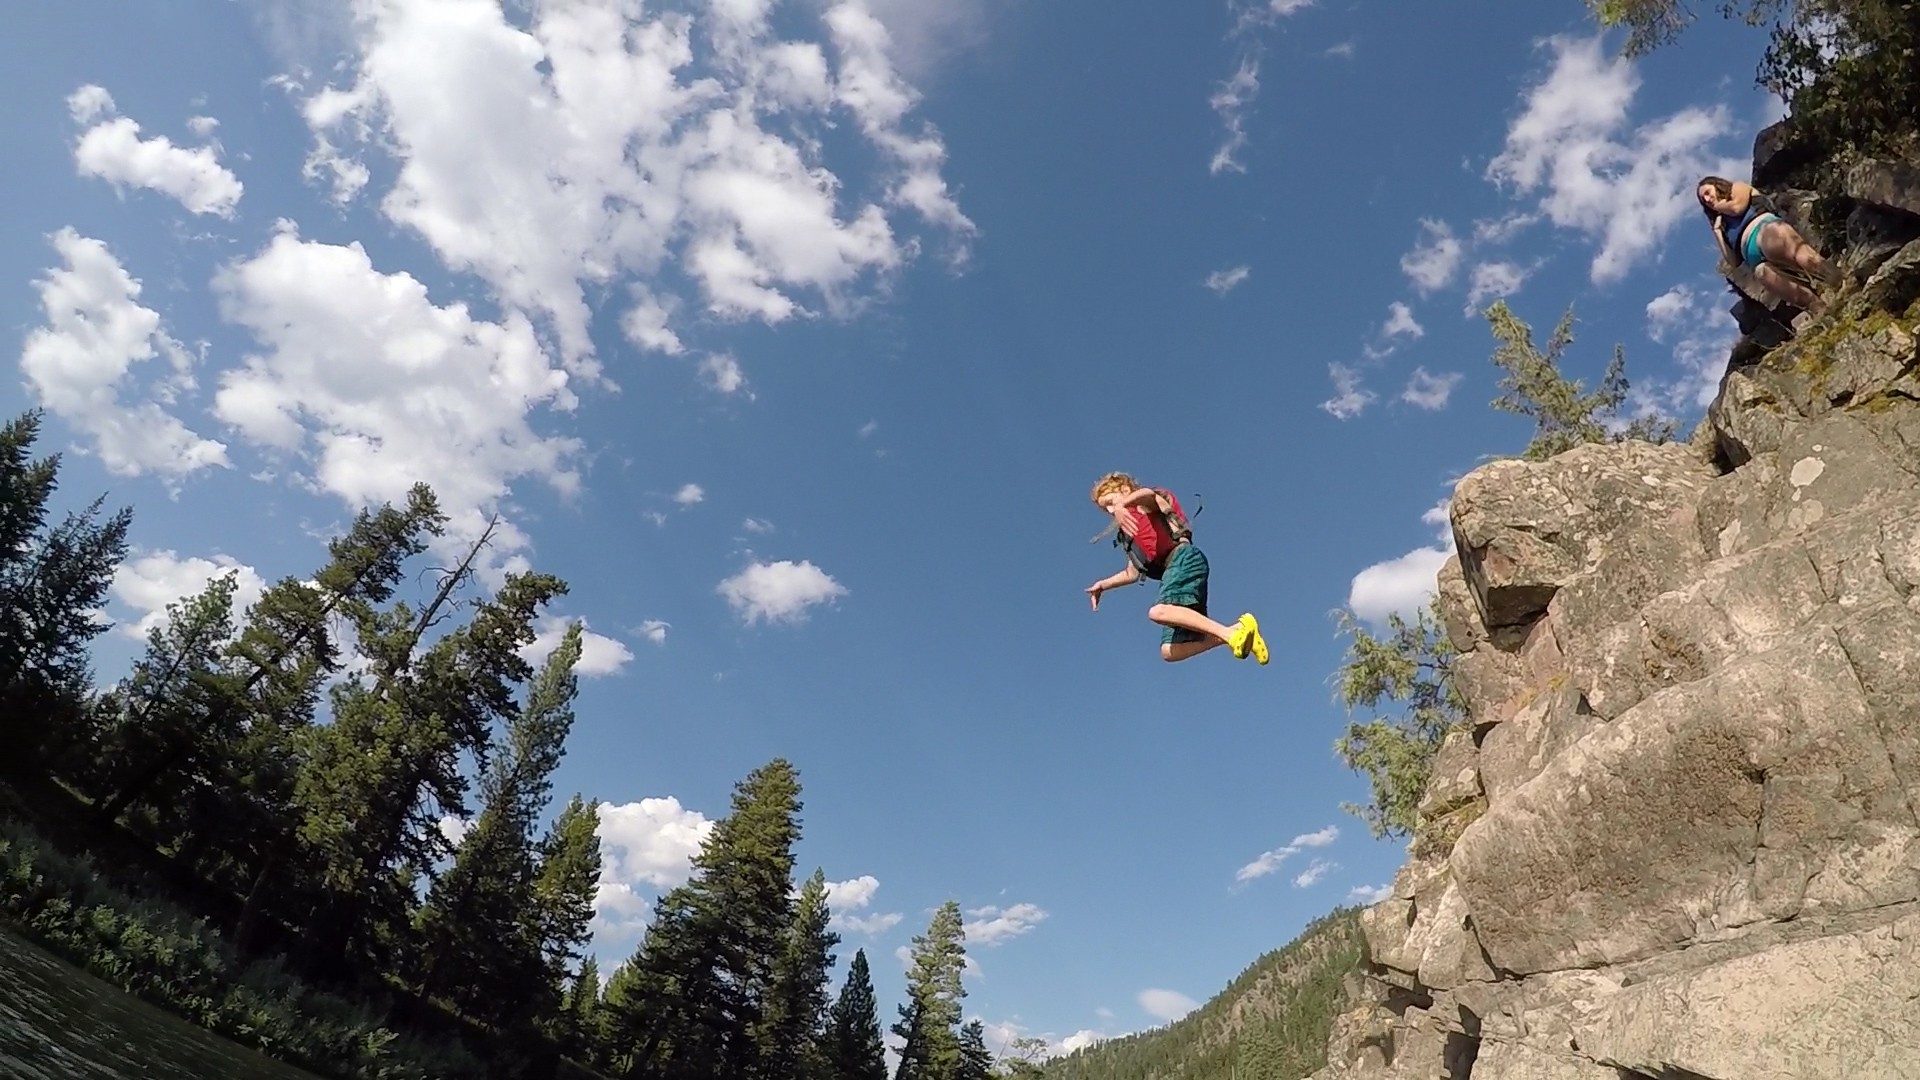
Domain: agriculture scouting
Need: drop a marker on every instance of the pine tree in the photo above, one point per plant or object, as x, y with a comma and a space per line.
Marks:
564, 888
1564, 414
1410, 666
52, 580
700, 981
931, 1047
797, 1005
852, 1048
976, 1061
582, 1012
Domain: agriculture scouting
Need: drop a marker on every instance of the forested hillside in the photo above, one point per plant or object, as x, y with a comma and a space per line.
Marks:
1270, 1022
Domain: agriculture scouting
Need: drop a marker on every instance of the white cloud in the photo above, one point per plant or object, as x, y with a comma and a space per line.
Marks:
1491, 281
1231, 101
1270, 861
1223, 282
645, 846
1315, 870
757, 526
148, 581
776, 592
80, 363
655, 630
1701, 331
989, 926
454, 829
89, 103
376, 387
1166, 1005
867, 429
646, 322
848, 899
1369, 894
600, 655
1001, 1035
1342, 51
1080, 1040
600, 142
203, 126
1426, 390
1435, 258
113, 150
1349, 398
1405, 584
1625, 187
1401, 324
723, 373
690, 494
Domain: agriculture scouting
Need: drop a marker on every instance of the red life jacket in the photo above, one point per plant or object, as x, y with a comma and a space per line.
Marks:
1155, 535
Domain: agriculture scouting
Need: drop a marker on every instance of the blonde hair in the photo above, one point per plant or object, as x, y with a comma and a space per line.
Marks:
1112, 482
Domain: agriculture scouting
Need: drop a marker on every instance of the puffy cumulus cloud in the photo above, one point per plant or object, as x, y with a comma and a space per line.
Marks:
849, 902
1405, 584
1002, 1035
1270, 861
1700, 330
112, 150
1493, 280
1315, 870
779, 592
148, 581
989, 926
1434, 259
722, 373
600, 655
1165, 1006
593, 141
1575, 148
690, 494
377, 387
454, 829
1350, 398
80, 364
654, 630
1223, 282
646, 847
1428, 391
1368, 894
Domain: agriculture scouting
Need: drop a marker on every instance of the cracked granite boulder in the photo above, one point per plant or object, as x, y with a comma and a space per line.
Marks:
1692, 767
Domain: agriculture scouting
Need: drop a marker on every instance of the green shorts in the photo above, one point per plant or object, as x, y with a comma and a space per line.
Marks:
1183, 583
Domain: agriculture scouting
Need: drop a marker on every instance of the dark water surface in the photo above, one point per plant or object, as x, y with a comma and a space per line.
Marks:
60, 1023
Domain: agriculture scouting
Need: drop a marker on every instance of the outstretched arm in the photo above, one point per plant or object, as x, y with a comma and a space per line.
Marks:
1125, 577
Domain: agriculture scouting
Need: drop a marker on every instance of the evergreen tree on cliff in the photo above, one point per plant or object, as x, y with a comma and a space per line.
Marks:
698, 991
797, 1005
931, 1048
52, 579
852, 1048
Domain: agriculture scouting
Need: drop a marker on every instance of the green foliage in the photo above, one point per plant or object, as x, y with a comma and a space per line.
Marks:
928, 1021
852, 1049
1278, 1013
976, 1061
693, 1000
1410, 670
1564, 414
53, 577
795, 1014
160, 953
1849, 70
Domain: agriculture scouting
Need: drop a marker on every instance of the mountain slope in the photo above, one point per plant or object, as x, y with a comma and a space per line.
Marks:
1270, 1022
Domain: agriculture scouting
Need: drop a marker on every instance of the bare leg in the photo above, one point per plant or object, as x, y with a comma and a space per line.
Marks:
1187, 619
1783, 245
1788, 289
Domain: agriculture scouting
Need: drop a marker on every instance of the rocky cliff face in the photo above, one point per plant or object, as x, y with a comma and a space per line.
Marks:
1688, 808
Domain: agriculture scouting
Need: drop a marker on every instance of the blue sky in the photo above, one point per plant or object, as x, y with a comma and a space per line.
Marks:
794, 334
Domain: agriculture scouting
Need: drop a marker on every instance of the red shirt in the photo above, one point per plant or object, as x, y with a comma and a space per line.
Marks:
1149, 532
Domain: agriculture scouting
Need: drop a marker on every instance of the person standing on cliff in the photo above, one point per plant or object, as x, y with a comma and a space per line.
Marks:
1750, 235
1153, 531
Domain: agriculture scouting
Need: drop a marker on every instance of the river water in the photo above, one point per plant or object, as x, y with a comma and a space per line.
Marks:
59, 1023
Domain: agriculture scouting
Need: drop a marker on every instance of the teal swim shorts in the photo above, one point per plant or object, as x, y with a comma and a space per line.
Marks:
1183, 583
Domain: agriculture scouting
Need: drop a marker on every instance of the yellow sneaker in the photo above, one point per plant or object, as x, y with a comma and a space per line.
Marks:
1257, 643
1240, 637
